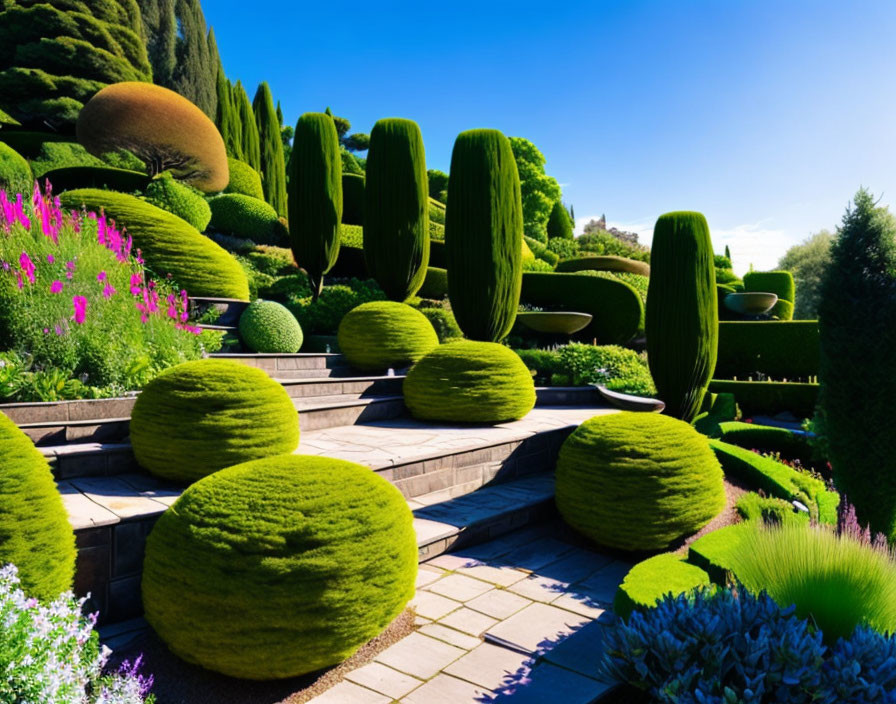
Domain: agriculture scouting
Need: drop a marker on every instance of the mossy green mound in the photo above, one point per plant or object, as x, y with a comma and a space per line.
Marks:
15, 174
35, 534
247, 217
638, 481
169, 244
649, 581
714, 551
68, 178
184, 201
244, 179
202, 416
267, 326
473, 382
383, 334
279, 567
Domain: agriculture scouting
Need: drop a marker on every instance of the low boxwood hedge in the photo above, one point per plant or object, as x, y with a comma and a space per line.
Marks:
69, 178
244, 179
753, 436
279, 567
649, 581
435, 285
713, 552
779, 349
777, 282
605, 263
770, 397
247, 217
267, 326
186, 202
380, 335
768, 509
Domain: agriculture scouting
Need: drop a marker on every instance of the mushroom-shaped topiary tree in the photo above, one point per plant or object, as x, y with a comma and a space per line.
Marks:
382, 334
279, 567
165, 130
35, 534
202, 416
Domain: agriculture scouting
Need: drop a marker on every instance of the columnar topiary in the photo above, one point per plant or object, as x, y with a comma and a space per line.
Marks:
778, 282
273, 165
638, 481
251, 146
858, 361
227, 116
279, 567
169, 244
15, 174
682, 312
244, 179
315, 196
247, 217
559, 224
396, 208
184, 201
382, 334
267, 326
483, 231
198, 417
165, 130
470, 382
35, 534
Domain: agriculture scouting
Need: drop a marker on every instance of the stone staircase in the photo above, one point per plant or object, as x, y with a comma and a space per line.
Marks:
465, 484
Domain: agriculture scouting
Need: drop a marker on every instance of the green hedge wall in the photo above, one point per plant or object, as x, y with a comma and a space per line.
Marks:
605, 263
770, 397
766, 438
243, 216
616, 306
279, 567
35, 534
382, 334
70, 178
435, 285
780, 349
777, 282
169, 244
198, 417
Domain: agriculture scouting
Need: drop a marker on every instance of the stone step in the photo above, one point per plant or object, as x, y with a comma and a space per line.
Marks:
309, 365
504, 468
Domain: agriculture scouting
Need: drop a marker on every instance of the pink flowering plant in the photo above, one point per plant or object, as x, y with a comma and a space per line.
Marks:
75, 295
49, 653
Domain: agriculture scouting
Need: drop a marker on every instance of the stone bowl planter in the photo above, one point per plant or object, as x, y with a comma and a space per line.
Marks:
230, 309
627, 402
750, 302
557, 323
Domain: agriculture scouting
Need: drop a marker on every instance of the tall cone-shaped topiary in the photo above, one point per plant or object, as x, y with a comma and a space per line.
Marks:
315, 196
249, 135
227, 116
559, 224
483, 234
682, 312
35, 534
396, 208
273, 167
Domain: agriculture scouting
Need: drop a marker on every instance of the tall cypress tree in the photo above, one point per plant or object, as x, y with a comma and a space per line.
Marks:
227, 117
251, 147
160, 27
273, 167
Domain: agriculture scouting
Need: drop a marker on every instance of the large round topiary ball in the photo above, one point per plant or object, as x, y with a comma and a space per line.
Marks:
35, 534
465, 381
383, 334
267, 326
279, 567
638, 481
202, 416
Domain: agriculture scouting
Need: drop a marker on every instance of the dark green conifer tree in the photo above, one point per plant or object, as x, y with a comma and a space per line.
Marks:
273, 167
558, 222
250, 145
227, 117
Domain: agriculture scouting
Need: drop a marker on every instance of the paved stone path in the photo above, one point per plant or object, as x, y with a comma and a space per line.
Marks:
518, 619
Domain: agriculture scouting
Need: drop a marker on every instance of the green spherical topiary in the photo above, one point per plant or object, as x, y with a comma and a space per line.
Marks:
184, 201
382, 334
267, 326
244, 179
279, 567
15, 174
35, 534
465, 381
638, 481
202, 416
247, 217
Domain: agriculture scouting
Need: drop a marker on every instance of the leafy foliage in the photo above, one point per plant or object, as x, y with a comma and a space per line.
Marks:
243, 179
247, 217
617, 368
808, 262
322, 316
538, 190
184, 201
15, 174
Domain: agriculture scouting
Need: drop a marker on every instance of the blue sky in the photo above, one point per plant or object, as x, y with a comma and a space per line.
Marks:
764, 115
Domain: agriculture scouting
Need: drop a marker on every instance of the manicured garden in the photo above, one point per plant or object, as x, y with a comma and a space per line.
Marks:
259, 392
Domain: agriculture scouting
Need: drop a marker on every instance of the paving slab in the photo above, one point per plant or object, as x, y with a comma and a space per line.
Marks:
539, 588
445, 689
350, 693
449, 635
548, 683
538, 627
426, 574
433, 606
498, 603
602, 585
498, 576
579, 652
491, 666
420, 656
459, 587
385, 680
468, 621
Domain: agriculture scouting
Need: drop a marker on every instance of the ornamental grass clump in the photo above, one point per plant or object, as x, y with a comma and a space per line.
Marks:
50, 653
833, 580
75, 296
279, 567
382, 334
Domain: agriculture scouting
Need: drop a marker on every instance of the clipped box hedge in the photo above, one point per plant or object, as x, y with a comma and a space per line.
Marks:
649, 581
435, 285
605, 263
778, 282
69, 178
379, 335
267, 326
780, 349
753, 436
247, 217
770, 397
713, 552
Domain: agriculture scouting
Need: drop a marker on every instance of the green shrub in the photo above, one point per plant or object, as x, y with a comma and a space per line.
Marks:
483, 231
716, 409
15, 174
169, 244
469, 382
443, 321
537, 265
382, 334
770, 397
605, 263
835, 581
322, 317
202, 416
436, 231
273, 163
436, 211
768, 509
352, 201
682, 315
352, 236
279, 567
559, 224
604, 243
715, 552
766, 438
777, 282
29, 143
396, 208
669, 488
35, 534
617, 368
184, 201
435, 285
616, 306
541, 251
778, 349
649, 581
563, 248
243, 179
243, 216
266, 326
69, 178
314, 185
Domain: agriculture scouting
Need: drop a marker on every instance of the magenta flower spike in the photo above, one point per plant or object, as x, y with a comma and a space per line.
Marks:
27, 267
56, 286
80, 305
